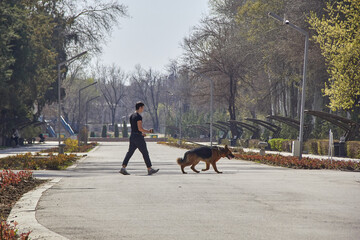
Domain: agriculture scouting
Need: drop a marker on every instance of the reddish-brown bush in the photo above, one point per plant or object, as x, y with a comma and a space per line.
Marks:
304, 163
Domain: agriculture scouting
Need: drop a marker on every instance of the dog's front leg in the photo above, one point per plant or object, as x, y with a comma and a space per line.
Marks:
215, 168
207, 167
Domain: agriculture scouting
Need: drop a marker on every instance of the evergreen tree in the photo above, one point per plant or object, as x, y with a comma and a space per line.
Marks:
104, 132
125, 130
116, 130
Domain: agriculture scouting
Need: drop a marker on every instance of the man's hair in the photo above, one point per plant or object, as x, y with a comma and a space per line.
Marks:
139, 105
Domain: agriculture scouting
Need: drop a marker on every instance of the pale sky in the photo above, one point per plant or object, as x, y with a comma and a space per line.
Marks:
152, 35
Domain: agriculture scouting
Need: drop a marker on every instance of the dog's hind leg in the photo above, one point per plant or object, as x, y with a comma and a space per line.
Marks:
182, 169
215, 168
207, 167
193, 168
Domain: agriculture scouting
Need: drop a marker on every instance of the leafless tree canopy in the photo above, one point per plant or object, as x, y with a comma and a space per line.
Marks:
112, 85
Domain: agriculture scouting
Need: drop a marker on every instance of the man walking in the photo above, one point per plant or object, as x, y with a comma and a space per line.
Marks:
137, 140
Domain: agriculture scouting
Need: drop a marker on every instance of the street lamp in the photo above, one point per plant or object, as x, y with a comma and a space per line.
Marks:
81, 89
302, 31
211, 103
59, 85
86, 107
86, 118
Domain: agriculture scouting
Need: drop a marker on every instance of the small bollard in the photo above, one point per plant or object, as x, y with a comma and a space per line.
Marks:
262, 146
61, 148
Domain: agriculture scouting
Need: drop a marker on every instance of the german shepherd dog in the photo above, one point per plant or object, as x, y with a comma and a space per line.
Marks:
210, 155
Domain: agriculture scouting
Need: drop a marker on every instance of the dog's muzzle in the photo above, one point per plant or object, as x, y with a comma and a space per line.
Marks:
230, 156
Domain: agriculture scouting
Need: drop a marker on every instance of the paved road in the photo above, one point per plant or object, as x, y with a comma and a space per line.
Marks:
247, 201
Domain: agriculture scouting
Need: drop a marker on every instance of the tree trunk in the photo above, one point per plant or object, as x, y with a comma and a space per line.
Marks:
232, 108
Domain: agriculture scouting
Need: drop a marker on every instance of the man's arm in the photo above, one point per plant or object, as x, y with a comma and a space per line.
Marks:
141, 129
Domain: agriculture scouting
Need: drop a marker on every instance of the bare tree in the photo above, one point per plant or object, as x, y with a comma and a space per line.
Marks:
112, 85
88, 24
149, 85
216, 48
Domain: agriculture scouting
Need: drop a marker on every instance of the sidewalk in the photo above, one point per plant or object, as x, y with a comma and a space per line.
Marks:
247, 201
33, 148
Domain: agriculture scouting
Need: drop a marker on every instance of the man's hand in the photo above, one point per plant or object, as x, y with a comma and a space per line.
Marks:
144, 134
151, 130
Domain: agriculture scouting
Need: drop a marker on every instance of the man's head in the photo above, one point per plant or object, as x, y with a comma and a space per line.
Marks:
139, 107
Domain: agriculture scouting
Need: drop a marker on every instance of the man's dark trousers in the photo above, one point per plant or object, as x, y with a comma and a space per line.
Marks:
137, 141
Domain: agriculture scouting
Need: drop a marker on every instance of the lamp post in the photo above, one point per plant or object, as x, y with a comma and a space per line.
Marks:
86, 108
59, 92
79, 124
86, 114
81, 89
211, 103
302, 31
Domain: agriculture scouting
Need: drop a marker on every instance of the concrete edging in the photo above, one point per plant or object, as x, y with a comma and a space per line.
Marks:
25, 210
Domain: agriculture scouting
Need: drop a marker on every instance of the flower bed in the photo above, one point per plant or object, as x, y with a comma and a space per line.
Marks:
36, 162
9, 178
12, 187
9, 232
304, 163
72, 147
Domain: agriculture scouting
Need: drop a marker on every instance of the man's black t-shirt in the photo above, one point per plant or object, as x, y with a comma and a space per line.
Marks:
134, 118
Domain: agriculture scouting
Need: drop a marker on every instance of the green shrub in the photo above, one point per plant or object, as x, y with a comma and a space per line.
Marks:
225, 142
353, 149
125, 132
274, 144
116, 131
83, 135
280, 144
311, 146
323, 147
104, 132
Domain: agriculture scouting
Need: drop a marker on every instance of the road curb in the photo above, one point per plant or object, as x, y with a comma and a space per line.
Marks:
24, 210
24, 214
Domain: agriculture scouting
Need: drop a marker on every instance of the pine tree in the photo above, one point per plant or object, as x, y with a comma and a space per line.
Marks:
125, 130
116, 130
104, 132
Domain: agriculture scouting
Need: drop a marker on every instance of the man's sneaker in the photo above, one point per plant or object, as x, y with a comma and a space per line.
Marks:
152, 171
123, 171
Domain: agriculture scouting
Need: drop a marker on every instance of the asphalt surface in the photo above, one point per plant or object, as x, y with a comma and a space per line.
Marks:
247, 201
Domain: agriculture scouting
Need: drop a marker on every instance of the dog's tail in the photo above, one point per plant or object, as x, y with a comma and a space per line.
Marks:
180, 161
